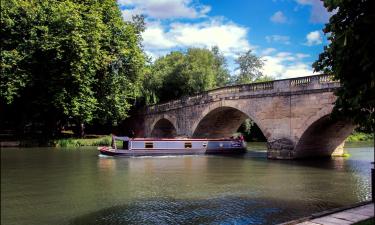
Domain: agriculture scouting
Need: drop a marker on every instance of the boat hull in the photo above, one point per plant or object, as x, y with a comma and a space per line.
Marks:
160, 147
146, 152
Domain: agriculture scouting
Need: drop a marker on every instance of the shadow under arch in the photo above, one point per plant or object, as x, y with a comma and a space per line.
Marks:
322, 137
164, 128
220, 122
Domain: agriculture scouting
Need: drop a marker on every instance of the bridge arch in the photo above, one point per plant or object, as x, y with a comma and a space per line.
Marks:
323, 136
163, 128
221, 120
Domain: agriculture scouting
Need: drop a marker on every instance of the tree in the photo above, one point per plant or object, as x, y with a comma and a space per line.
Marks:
65, 61
250, 67
184, 73
350, 56
167, 77
220, 65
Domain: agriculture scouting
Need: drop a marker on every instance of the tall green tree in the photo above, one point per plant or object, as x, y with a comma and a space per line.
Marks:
220, 65
185, 73
250, 68
68, 61
350, 56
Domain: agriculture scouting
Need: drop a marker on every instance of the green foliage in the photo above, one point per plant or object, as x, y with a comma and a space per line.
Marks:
220, 66
360, 136
350, 57
71, 142
68, 61
250, 68
180, 74
251, 131
263, 78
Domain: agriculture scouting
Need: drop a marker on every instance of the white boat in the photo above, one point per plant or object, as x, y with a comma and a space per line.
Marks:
151, 146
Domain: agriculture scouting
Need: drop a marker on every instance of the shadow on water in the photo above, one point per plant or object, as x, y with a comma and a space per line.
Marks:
221, 210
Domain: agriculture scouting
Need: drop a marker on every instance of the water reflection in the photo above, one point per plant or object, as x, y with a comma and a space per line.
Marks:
107, 164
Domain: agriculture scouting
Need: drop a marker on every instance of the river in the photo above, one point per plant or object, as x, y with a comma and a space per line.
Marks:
76, 187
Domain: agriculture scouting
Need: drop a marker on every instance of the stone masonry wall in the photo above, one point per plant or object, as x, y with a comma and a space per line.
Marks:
283, 110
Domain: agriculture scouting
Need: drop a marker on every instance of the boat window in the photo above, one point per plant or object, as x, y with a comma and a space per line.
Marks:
188, 145
149, 145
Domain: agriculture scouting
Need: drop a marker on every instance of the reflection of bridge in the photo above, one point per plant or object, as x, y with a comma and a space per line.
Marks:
293, 115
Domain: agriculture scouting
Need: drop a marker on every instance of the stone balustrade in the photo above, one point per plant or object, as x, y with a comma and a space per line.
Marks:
293, 85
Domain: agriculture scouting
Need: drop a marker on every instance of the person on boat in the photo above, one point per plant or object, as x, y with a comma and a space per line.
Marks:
241, 138
113, 141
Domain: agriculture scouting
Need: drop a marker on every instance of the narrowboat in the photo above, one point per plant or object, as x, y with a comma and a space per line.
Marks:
157, 147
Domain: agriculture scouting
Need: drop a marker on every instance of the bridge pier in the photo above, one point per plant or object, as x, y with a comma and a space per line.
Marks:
280, 149
285, 149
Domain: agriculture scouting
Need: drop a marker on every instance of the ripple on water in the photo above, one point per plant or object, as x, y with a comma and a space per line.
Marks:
232, 210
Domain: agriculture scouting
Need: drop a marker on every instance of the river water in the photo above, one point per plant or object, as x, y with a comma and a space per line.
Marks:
76, 187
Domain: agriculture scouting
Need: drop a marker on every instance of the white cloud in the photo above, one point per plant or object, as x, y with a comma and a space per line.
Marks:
163, 9
278, 17
286, 65
268, 51
229, 37
302, 56
319, 13
164, 34
313, 38
278, 39
154, 38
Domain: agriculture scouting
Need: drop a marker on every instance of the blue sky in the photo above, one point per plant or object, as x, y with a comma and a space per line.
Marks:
285, 33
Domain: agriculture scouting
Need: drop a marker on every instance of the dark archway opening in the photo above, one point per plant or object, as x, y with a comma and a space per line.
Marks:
223, 122
164, 129
323, 137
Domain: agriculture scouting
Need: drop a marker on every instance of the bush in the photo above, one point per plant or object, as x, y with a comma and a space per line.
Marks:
359, 136
72, 142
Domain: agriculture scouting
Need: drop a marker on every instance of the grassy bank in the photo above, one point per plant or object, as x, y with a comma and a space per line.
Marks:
106, 140
78, 142
359, 136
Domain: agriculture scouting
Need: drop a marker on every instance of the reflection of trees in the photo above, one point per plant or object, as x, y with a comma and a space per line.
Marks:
107, 164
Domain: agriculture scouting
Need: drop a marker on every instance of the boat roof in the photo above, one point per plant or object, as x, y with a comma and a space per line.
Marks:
124, 138
181, 139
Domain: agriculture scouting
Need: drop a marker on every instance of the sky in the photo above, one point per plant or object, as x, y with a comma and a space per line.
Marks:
286, 34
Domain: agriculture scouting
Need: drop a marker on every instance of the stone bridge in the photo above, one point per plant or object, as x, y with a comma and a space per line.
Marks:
293, 114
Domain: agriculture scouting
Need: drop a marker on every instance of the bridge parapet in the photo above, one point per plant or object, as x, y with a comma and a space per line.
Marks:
277, 87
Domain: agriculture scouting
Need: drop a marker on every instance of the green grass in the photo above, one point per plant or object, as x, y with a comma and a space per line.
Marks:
359, 136
78, 142
366, 222
106, 140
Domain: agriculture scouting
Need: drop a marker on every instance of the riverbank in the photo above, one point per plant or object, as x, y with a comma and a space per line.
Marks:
105, 140
359, 136
80, 142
